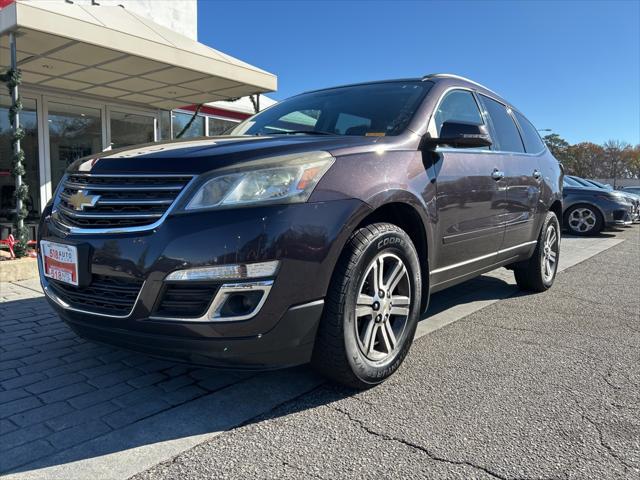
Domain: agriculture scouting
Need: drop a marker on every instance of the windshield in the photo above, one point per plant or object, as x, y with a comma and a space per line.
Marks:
600, 185
570, 182
581, 182
378, 109
632, 190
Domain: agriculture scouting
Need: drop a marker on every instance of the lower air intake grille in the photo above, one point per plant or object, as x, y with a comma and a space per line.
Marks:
185, 301
107, 295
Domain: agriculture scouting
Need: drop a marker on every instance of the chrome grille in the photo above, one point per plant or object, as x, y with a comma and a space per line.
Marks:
93, 201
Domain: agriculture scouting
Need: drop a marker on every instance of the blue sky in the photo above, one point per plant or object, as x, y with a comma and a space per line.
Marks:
570, 66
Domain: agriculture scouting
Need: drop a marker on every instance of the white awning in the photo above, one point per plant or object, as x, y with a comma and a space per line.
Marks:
111, 52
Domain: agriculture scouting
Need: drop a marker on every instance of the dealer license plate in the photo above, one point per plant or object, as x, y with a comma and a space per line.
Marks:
60, 262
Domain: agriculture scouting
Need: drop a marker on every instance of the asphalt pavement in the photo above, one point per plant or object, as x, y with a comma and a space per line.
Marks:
531, 386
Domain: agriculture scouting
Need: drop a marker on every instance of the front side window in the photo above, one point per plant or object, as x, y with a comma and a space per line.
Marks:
457, 106
506, 132
377, 109
532, 141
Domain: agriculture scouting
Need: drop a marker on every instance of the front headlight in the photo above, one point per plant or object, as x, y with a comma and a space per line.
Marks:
285, 179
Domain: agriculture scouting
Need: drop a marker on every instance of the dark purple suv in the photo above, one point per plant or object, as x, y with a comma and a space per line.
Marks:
313, 231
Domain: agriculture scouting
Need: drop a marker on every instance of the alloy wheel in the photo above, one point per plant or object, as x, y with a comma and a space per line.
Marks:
383, 306
550, 253
582, 220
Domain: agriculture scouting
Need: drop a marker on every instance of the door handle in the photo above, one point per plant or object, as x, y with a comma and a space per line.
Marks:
497, 174
536, 174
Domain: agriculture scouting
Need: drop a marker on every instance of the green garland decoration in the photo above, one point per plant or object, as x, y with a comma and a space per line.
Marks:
13, 78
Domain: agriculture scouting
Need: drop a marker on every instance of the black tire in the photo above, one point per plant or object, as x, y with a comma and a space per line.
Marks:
597, 226
337, 353
530, 275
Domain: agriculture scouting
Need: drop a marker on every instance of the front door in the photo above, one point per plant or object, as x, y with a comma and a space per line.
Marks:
471, 196
522, 178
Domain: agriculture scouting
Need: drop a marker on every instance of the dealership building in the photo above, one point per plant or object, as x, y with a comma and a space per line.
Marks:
108, 74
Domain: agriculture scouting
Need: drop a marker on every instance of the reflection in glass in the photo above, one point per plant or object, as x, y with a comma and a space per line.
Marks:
74, 132
131, 129
164, 129
181, 119
29, 144
217, 126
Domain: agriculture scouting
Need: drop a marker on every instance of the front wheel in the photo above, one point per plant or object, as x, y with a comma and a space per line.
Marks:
372, 308
583, 220
538, 273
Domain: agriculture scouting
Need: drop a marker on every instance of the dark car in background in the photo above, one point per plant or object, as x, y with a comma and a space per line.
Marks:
315, 231
631, 198
589, 210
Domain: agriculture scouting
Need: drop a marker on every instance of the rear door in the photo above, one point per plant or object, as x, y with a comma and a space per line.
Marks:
470, 196
522, 178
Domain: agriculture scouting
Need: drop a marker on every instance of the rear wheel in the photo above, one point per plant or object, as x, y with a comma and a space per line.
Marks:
583, 220
372, 308
538, 273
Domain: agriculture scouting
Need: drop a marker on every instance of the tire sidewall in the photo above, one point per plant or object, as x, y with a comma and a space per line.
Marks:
552, 219
398, 243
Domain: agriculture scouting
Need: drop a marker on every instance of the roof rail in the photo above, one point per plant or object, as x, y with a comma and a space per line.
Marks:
457, 77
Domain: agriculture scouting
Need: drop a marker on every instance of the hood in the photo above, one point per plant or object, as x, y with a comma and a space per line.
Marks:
595, 191
200, 155
585, 190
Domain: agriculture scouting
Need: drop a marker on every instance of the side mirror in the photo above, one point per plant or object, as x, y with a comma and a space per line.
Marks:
460, 135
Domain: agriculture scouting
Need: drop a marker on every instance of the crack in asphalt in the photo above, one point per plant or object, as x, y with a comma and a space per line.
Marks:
610, 450
415, 446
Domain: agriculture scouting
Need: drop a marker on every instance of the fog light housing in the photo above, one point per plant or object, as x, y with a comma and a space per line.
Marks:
237, 271
238, 301
240, 304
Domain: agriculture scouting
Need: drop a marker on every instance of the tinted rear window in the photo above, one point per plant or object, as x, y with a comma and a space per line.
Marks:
506, 131
532, 141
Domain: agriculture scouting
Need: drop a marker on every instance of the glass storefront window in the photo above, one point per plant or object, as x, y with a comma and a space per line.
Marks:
217, 126
74, 132
29, 144
181, 119
131, 129
164, 129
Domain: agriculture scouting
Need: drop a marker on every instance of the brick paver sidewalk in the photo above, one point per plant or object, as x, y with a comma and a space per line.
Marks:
57, 390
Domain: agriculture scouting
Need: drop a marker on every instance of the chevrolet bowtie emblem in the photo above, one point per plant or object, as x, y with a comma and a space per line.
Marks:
79, 200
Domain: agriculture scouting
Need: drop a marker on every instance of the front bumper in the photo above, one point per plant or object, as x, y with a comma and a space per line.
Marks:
617, 213
305, 238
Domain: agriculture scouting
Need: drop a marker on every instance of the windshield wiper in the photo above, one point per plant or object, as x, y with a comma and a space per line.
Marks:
308, 132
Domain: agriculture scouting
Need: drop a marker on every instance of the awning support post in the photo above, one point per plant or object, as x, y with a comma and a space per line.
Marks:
13, 79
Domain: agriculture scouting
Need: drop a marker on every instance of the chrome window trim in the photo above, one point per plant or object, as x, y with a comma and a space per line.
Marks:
210, 316
477, 150
482, 257
141, 228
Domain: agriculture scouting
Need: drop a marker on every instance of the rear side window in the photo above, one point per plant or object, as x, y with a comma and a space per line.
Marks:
532, 141
506, 131
458, 106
